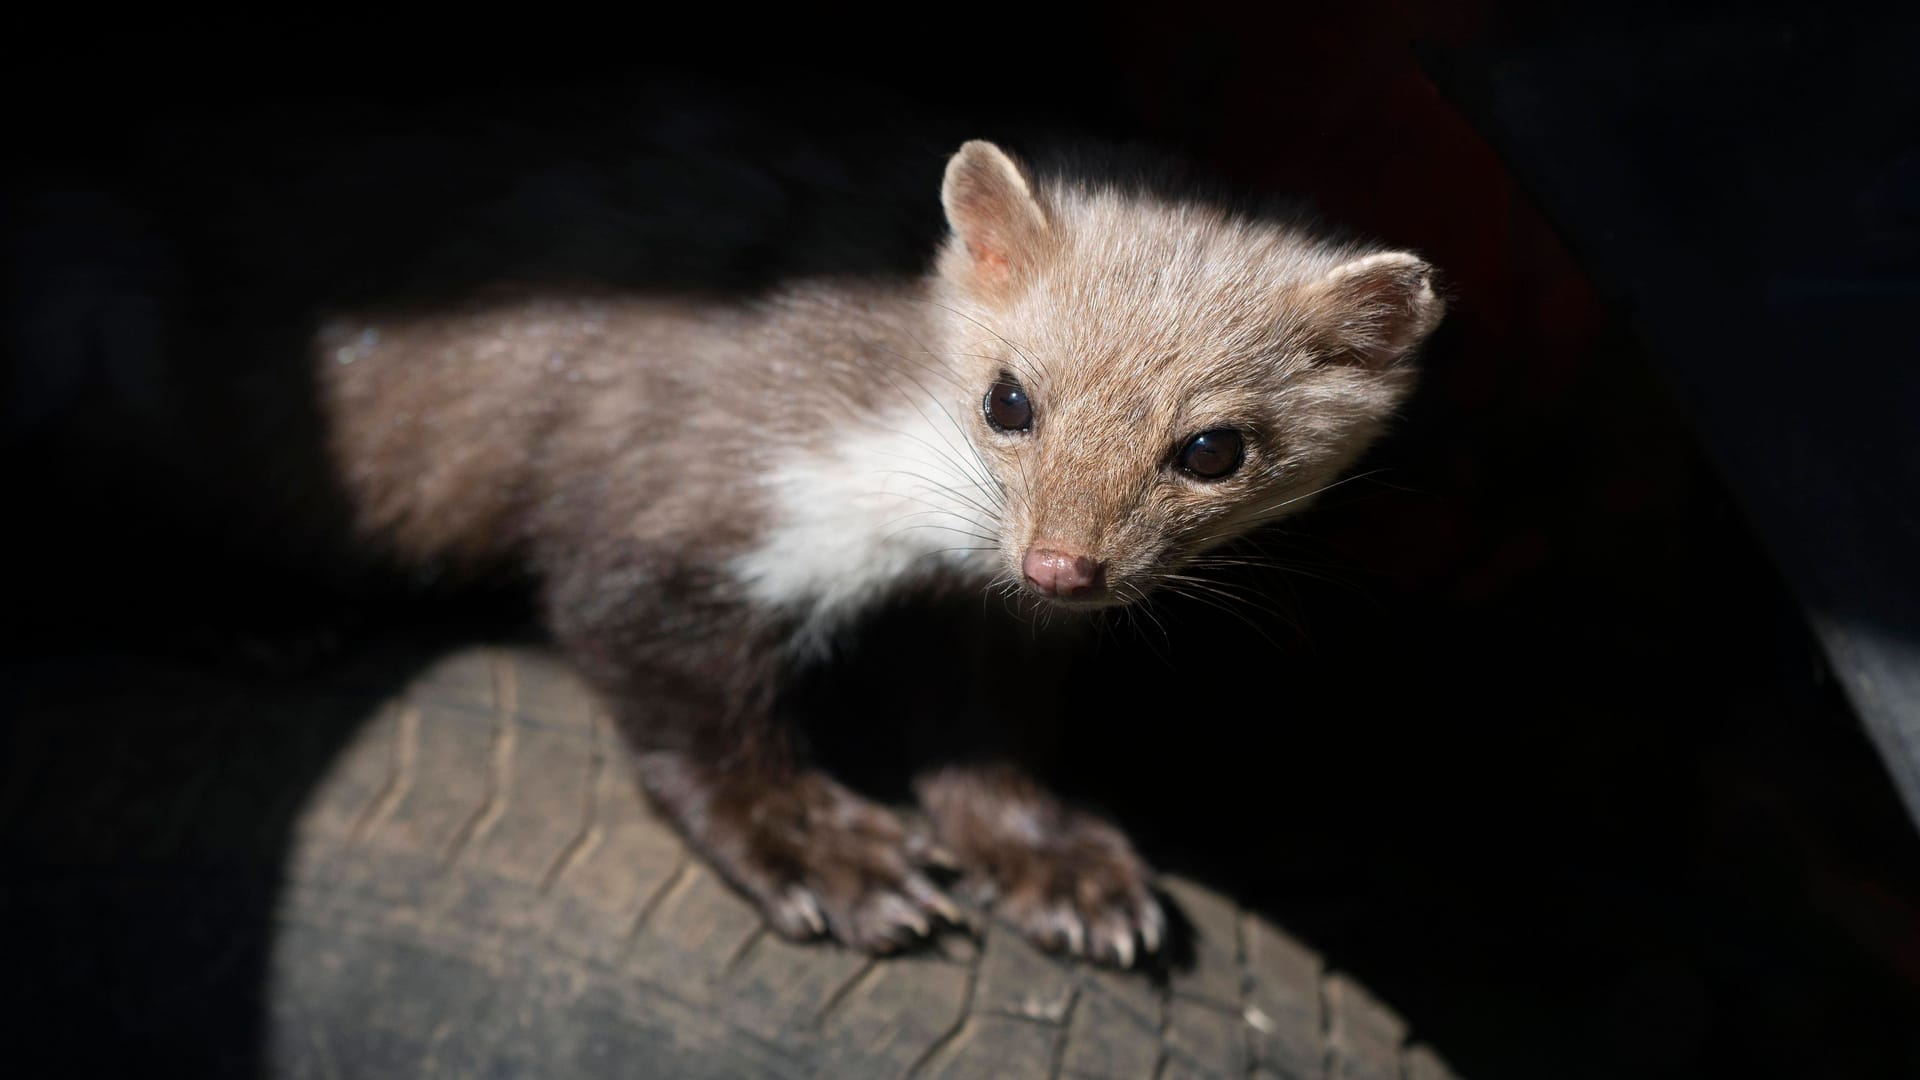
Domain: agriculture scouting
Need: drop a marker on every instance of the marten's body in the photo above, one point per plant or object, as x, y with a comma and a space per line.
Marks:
1094, 386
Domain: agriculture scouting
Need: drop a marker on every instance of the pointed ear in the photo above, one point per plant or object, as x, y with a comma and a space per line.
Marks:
1377, 308
1000, 229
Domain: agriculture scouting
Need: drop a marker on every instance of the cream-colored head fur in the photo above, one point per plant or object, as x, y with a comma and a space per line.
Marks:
1134, 323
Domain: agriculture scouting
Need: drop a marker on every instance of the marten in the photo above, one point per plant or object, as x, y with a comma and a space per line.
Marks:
1094, 382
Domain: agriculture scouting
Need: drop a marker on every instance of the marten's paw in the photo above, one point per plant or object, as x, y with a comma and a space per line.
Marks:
1068, 880
817, 859
1079, 889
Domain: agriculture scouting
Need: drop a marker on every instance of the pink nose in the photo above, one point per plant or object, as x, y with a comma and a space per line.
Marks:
1055, 573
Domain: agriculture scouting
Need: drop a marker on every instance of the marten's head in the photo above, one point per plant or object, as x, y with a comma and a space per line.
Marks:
1144, 379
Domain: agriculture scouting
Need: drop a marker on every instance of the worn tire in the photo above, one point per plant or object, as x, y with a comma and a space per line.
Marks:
449, 871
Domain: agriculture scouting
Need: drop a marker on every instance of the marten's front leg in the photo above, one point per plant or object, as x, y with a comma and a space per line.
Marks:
692, 676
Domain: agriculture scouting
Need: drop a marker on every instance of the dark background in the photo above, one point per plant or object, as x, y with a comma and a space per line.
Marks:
1530, 734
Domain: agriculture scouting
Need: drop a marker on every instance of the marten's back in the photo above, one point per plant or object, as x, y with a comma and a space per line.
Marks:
161, 316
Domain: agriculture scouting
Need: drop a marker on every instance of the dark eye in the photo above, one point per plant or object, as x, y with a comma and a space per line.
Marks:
1211, 455
1007, 406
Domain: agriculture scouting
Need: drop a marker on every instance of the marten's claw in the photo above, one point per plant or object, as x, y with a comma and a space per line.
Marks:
797, 915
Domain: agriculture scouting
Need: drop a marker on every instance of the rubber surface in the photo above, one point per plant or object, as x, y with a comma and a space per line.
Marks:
448, 871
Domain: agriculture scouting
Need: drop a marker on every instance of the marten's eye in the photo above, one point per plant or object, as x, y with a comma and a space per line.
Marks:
1213, 454
1007, 406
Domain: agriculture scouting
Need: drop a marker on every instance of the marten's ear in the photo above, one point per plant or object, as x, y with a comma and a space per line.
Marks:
1377, 308
999, 227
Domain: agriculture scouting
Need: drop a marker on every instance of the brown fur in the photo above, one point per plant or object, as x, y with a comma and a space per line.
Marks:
613, 446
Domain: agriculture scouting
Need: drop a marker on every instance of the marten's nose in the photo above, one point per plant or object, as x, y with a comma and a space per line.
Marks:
1056, 573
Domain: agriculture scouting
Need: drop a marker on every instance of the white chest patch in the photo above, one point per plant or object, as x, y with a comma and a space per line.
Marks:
898, 497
